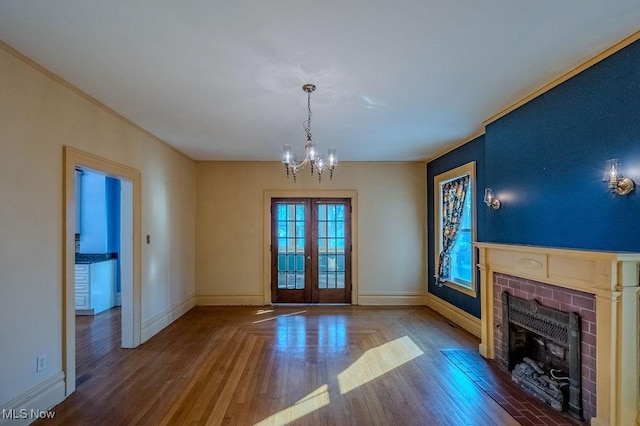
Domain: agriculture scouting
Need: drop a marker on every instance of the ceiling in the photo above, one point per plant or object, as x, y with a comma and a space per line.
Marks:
396, 80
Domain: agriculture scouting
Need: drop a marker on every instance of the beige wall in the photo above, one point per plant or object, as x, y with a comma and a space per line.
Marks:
390, 220
38, 116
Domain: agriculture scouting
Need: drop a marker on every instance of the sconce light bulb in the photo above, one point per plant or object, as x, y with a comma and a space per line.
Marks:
616, 181
490, 200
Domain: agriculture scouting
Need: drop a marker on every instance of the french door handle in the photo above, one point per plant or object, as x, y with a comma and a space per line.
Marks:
308, 257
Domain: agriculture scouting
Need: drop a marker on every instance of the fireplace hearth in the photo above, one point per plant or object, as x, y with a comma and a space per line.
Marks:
542, 350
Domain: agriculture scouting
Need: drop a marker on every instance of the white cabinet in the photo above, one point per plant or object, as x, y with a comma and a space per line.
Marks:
95, 287
82, 286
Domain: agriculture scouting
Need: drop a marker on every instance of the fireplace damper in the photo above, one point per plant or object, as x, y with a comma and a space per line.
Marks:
535, 335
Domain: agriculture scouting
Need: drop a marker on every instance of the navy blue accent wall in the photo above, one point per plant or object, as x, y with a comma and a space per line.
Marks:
545, 162
471, 151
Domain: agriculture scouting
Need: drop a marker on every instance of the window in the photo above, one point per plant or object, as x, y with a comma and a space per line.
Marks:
454, 207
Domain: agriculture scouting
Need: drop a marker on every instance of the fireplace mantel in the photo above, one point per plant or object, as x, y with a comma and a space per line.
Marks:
614, 280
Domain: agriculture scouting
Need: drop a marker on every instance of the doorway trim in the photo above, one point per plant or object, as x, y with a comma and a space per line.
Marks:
266, 237
75, 158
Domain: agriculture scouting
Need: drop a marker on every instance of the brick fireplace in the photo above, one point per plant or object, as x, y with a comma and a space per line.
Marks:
563, 299
603, 288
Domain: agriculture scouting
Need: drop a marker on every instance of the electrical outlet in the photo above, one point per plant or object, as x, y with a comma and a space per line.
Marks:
41, 363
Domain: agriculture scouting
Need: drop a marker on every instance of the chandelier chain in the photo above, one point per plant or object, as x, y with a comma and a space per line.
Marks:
307, 125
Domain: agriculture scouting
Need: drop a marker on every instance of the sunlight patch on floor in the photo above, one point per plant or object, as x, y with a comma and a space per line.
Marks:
308, 404
279, 316
264, 311
371, 365
378, 361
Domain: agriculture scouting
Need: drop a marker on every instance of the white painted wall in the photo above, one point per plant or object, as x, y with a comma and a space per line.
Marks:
38, 116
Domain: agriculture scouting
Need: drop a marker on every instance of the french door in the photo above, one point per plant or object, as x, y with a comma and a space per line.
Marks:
311, 250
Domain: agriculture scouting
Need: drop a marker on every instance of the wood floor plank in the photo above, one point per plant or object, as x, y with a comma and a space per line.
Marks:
222, 403
310, 365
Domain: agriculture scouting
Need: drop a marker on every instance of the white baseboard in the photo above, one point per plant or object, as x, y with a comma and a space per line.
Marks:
35, 403
455, 314
207, 298
151, 327
399, 299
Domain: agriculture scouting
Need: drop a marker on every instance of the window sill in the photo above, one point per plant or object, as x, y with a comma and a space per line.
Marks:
465, 290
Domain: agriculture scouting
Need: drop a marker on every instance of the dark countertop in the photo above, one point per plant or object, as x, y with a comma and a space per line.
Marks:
94, 257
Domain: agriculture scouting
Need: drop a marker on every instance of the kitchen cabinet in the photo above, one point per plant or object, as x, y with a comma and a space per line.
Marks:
95, 287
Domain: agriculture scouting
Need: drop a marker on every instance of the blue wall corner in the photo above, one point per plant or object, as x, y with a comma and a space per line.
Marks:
113, 197
471, 151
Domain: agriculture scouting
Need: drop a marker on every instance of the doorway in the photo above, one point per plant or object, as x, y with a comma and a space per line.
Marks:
129, 256
311, 250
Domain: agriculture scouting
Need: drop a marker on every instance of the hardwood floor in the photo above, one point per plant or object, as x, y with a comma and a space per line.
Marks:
96, 337
308, 365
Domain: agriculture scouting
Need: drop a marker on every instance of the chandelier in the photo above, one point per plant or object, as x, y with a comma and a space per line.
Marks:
311, 156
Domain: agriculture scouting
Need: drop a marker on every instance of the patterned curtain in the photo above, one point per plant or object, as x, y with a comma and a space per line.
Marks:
453, 195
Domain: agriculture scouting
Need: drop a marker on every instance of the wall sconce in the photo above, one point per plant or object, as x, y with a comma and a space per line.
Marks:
616, 180
490, 200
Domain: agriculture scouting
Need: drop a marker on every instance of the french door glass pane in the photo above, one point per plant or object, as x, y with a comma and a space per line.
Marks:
322, 229
322, 212
331, 250
291, 244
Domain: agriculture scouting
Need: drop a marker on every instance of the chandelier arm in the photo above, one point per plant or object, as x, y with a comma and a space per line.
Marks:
297, 166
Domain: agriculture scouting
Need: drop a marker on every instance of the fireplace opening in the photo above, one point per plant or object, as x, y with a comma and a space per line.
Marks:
542, 349
540, 366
